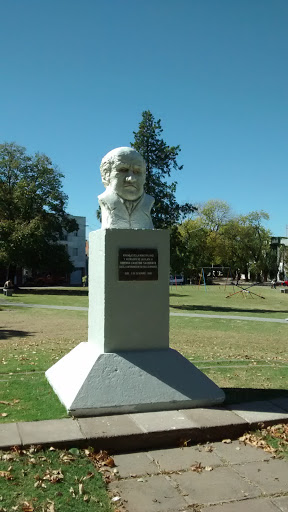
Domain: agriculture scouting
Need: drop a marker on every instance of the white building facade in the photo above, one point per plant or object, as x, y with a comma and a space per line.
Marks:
75, 245
281, 245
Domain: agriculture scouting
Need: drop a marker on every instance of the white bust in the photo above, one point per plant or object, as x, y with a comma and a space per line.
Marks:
124, 204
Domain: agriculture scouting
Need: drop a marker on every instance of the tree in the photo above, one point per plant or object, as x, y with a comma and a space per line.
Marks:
196, 250
160, 160
246, 245
32, 211
214, 214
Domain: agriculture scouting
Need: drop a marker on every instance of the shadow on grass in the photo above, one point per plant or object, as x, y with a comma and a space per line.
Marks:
178, 295
224, 309
6, 334
52, 291
237, 395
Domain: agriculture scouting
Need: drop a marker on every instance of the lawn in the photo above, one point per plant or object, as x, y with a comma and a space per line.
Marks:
216, 300
48, 481
56, 297
234, 353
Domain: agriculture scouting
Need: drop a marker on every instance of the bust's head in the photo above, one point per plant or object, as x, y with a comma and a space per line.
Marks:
124, 171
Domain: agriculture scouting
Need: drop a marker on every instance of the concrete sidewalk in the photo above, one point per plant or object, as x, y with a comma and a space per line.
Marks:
186, 314
214, 477
161, 477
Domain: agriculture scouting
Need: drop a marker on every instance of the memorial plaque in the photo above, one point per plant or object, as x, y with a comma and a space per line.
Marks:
138, 264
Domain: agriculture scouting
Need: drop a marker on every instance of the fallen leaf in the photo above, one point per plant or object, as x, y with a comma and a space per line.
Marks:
226, 441
27, 507
198, 468
89, 475
109, 462
184, 442
257, 441
51, 506
116, 498
72, 492
66, 458
4, 414
208, 468
6, 474
4, 402
53, 476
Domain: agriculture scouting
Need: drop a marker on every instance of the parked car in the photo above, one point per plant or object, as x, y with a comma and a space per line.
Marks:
176, 280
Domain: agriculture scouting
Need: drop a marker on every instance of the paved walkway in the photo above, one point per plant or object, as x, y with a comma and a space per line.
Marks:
158, 476
192, 315
214, 477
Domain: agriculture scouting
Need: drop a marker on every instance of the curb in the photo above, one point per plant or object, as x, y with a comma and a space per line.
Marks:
143, 431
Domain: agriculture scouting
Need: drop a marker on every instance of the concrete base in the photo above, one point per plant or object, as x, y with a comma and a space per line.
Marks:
89, 383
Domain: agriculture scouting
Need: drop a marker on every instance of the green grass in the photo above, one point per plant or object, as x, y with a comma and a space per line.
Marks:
205, 338
236, 354
50, 481
28, 397
214, 301
50, 300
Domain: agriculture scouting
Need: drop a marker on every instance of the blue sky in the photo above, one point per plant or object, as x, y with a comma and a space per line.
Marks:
76, 76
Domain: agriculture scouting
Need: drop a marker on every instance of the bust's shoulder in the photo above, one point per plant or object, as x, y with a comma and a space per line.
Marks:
110, 199
147, 200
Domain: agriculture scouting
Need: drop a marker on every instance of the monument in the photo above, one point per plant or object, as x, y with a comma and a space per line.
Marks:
126, 365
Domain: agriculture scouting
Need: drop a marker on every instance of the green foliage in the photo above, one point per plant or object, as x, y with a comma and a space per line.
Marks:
246, 245
32, 211
217, 237
214, 214
160, 160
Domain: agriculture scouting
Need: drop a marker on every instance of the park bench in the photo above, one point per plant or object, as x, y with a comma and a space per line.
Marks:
8, 292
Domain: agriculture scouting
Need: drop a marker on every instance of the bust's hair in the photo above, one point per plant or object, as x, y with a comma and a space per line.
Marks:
109, 159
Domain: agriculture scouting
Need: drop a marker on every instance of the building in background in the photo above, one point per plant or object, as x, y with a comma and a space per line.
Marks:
281, 246
75, 244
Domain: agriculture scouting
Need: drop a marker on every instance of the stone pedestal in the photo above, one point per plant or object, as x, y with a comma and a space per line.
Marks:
128, 312
126, 365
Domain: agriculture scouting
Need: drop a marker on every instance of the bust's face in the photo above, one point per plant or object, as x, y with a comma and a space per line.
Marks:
128, 176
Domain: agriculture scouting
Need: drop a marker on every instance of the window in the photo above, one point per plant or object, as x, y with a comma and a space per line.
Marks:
75, 251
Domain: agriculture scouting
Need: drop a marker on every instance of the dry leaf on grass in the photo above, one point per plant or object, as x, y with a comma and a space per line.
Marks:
53, 476
72, 492
101, 458
6, 474
89, 475
14, 401
27, 507
50, 506
256, 441
66, 457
